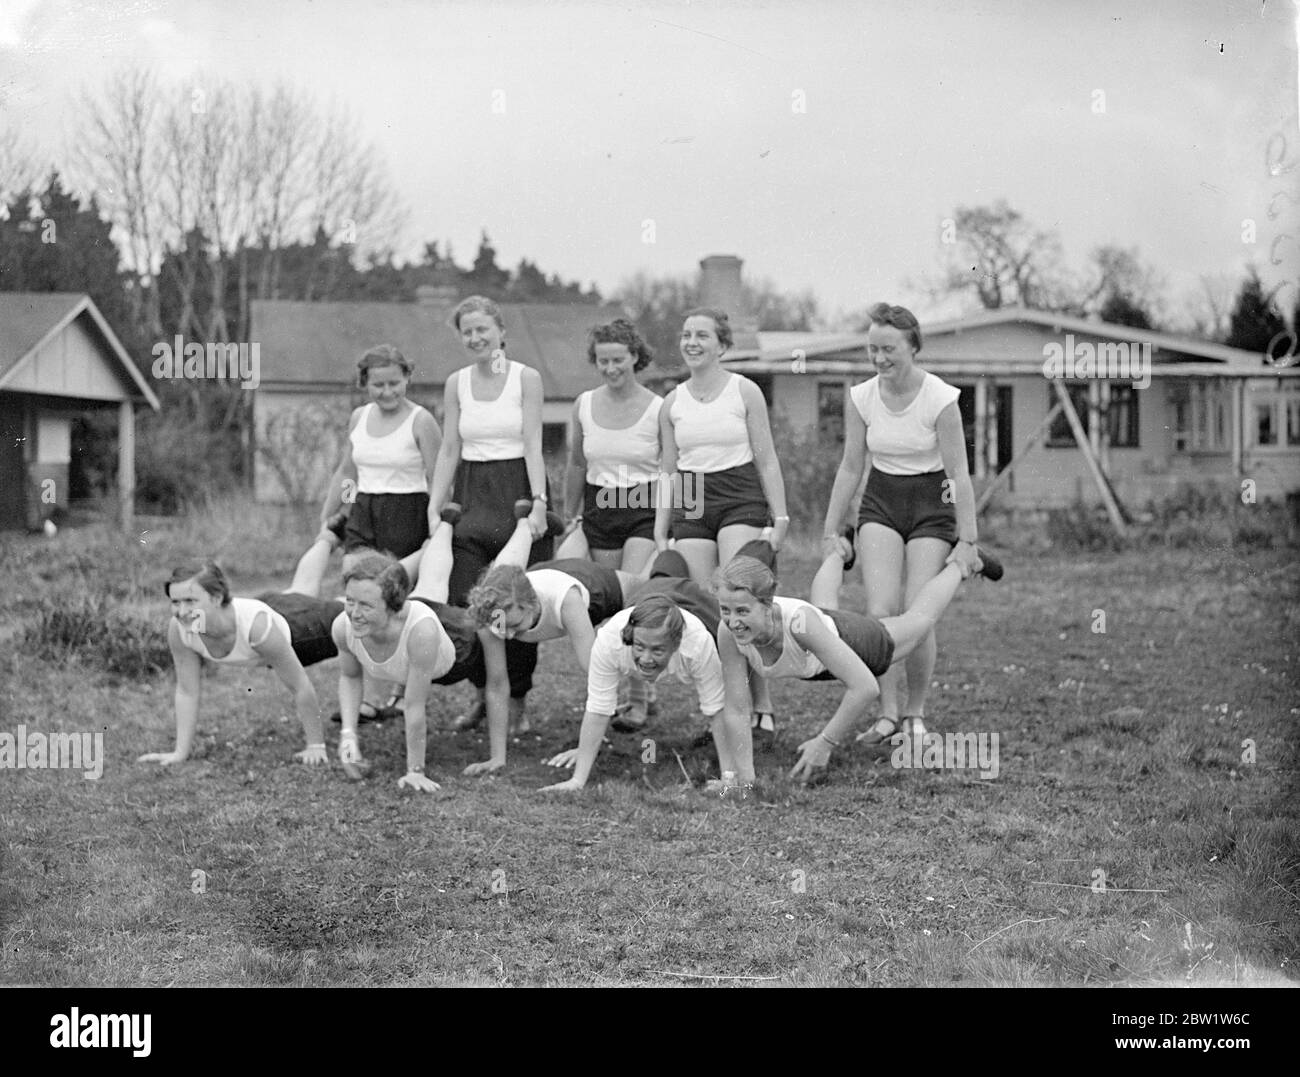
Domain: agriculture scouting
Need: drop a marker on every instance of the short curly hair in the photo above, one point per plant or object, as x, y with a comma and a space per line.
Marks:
501, 586
900, 318
477, 304
620, 331
393, 582
747, 574
207, 574
381, 355
721, 323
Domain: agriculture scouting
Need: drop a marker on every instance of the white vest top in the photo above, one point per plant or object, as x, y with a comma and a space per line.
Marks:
242, 653
904, 442
391, 464
712, 436
623, 458
551, 586
795, 660
492, 430
395, 669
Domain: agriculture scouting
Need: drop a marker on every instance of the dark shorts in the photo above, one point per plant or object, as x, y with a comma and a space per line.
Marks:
604, 591
706, 502
912, 505
867, 638
628, 513
689, 596
310, 621
463, 633
391, 523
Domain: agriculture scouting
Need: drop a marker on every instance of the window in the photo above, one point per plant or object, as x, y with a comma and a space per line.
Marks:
1059, 436
1201, 416
1122, 416
830, 413
1275, 417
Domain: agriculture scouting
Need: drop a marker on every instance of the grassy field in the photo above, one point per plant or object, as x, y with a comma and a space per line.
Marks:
1121, 752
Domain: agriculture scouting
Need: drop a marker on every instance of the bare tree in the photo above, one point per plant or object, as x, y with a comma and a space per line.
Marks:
1004, 260
18, 169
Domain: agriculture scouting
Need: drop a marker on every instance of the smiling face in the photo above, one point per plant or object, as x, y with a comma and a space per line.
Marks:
386, 386
745, 616
891, 350
480, 335
699, 341
617, 365
365, 607
652, 650
191, 605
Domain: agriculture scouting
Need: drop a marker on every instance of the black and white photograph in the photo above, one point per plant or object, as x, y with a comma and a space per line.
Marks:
683, 494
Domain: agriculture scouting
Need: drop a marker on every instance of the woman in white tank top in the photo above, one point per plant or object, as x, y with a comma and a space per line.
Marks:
384, 477
614, 450
207, 623
715, 425
918, 511
491, 457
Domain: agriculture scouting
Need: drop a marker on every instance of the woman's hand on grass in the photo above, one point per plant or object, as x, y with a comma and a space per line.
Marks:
570, 786
814, 759
564, 759
313, 755
477, 770
417, 781
165, 759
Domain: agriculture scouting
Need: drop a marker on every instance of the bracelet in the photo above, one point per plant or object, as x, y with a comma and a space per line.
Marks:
542, 498
348, 734
415, 770
828, 740
778, 519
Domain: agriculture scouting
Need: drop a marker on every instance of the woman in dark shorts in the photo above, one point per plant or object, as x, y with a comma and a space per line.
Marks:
284, 630
387, 465
722, 486
769, 636
918, 511
491, 457
613, 473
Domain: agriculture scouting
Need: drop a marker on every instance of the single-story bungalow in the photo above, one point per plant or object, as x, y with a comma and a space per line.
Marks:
59, 359
309, 351
1156, 410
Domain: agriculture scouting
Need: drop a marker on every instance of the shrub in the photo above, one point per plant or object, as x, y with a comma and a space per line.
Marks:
86, 628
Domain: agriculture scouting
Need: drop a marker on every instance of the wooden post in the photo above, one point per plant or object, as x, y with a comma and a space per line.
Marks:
126, 464
1238, 425
1081, 438
981, 427
1005, 473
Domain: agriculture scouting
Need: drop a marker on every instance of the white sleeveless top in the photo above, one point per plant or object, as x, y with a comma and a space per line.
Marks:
712, 436
242, 653
622, 458
391, 464
795, 660
396, 669
904, 442
551, 585
492, 430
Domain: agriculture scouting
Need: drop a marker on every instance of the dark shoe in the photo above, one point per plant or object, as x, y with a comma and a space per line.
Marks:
337, 524
991, 567
451, 513
852, 559
881, 732
554, 523
376, 714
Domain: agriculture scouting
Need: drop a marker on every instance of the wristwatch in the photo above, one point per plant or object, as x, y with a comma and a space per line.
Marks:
542, 498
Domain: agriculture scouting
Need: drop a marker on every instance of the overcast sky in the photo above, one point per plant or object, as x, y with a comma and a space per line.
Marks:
823, 142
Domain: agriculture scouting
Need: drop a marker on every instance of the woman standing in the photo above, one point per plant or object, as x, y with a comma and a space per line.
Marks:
388, 461
918, 510
722, 482
492, 457
612, 480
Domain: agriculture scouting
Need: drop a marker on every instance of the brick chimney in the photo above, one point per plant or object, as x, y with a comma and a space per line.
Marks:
720, 287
